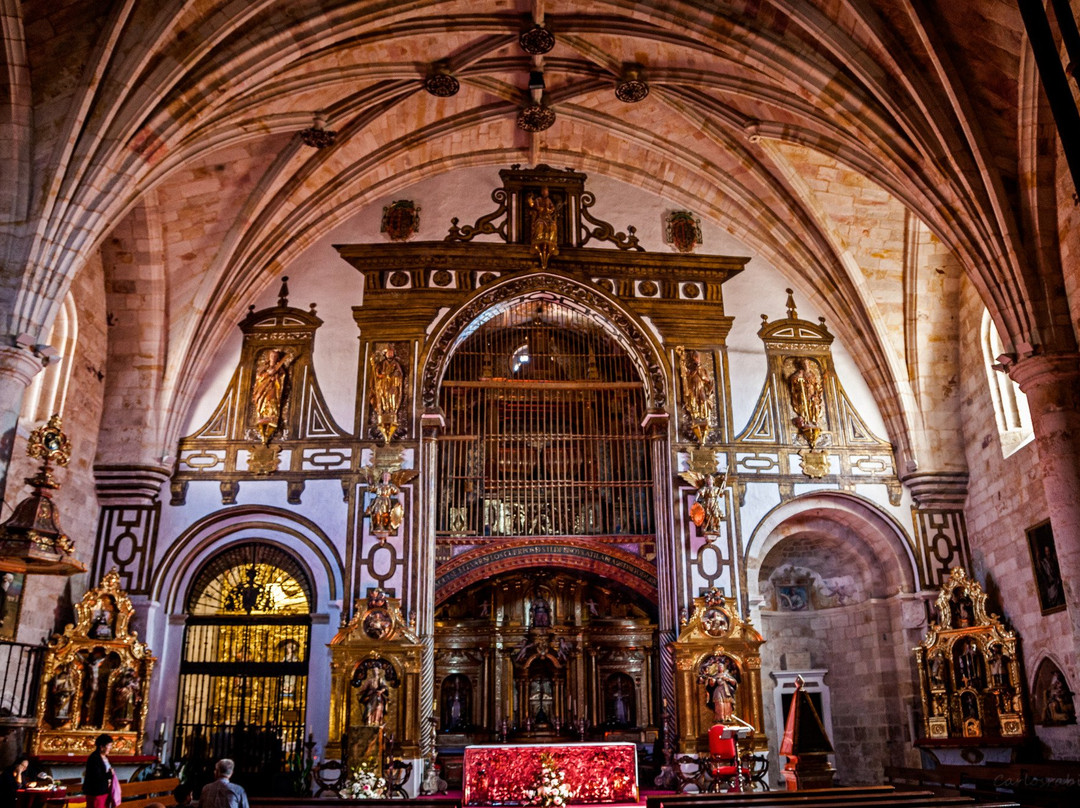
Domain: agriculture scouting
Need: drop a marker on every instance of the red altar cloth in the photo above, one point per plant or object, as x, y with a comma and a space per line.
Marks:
596, 773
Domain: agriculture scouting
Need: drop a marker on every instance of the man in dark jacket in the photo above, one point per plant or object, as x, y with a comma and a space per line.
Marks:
221, 793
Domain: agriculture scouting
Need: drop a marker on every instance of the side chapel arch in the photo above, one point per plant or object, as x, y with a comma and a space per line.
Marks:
885, 538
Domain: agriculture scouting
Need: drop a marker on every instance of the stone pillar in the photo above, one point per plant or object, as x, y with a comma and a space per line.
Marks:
1052, 386
18, 365
938, 515
128, 524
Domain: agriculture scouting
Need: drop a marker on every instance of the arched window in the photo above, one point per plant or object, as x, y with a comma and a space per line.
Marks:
1010, 404
244, 669
47, 392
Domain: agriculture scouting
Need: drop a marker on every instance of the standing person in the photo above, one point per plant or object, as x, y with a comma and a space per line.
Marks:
11, 780
221, 793
100, 783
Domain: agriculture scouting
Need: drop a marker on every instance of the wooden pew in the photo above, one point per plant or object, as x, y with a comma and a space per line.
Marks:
137, 794
382, 802
1045, 785
841, 793
808, 799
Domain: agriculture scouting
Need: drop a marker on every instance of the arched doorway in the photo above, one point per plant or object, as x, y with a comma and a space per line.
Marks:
831, 579
244, 665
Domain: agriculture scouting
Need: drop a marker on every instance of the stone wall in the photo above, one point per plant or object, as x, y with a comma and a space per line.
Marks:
47, 599
1005, 498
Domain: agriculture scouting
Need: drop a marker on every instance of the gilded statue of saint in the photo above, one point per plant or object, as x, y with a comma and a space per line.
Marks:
807, 393
545, 227
387, 382
267, 391
698, 391
374, 695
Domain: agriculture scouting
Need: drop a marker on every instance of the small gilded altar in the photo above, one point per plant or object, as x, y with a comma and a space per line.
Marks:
95, 679
969, 669
375, 684
717, 673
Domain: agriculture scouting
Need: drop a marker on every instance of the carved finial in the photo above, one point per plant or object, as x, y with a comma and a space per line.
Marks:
311, 306
251, 309
792, 313
283, 293
765, 319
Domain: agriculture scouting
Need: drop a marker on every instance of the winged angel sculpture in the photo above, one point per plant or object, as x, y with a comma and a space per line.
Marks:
707, 512
385, 512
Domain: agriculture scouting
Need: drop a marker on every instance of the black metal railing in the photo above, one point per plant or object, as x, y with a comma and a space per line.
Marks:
20, 674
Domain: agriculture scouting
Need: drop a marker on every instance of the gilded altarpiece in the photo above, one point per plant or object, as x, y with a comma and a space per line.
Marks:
970, 677
95, 678
375, 683
804, 426
717, 673
273, 421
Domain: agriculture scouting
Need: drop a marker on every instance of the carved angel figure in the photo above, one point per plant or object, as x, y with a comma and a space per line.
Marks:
707, 512
386, 511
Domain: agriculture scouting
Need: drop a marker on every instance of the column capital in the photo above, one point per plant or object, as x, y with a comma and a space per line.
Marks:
1040, 370
19, 362
129, 484
943, 490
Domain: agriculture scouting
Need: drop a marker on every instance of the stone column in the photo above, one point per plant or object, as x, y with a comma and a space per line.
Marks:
18, 365
1052, 386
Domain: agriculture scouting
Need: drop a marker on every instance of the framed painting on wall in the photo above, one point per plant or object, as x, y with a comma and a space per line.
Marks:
1044, 563
11, 595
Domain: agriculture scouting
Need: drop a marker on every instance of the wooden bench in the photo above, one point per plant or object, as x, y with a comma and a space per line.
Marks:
381, 802
137, 794
840, 793
1039, 785
810, 799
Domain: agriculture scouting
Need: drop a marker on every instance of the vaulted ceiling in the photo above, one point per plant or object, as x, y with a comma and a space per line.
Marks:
797, 126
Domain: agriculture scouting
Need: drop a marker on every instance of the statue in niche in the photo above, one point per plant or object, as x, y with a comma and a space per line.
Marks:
969, 664
720, 676
127, 693
939, 670
387, 384
1059, 702
545, 226
268, 390
807, 394
374, 694
699, 391
62, 693
541, 613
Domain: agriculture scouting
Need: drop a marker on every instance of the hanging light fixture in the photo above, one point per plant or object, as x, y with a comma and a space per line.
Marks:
31, 540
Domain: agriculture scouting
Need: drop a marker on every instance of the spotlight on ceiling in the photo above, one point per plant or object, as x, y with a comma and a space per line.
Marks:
631, 87
536, 40
440, 83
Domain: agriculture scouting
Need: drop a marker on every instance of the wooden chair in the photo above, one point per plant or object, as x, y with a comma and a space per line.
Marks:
726, 766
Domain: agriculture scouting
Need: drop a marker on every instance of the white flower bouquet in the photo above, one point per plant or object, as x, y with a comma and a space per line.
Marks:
551, 791
363, 784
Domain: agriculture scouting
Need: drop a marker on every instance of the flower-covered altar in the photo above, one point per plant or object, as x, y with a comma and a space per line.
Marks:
588, 773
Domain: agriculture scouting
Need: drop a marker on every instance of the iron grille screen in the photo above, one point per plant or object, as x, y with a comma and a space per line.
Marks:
243, 673
544, 437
